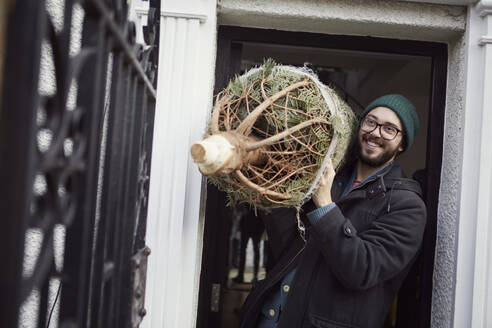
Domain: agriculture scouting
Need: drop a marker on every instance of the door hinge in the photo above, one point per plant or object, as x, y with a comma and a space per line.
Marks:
139, 275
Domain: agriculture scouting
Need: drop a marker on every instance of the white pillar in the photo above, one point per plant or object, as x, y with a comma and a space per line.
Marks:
473, 298
184, 101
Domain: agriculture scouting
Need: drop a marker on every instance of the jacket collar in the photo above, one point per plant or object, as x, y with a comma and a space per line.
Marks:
390, 177
346, 174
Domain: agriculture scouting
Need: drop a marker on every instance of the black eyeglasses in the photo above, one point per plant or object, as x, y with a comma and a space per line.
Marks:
388, 132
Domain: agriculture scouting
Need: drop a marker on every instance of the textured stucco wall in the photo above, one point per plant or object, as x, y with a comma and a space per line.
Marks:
384, 18
369, 17
449, 195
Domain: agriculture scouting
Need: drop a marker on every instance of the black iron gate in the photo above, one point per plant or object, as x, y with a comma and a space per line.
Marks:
76, 127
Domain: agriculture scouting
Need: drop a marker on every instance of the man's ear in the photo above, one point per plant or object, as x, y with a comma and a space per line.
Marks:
402, 145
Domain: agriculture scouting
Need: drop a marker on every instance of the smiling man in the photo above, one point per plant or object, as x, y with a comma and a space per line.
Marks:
364, 229
373, 149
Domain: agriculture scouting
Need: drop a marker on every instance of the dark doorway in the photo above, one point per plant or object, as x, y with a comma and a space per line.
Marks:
361, 68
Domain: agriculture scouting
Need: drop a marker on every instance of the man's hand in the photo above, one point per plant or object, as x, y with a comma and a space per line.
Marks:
322, 196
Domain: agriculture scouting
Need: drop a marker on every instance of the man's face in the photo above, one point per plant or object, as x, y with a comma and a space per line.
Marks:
372, 149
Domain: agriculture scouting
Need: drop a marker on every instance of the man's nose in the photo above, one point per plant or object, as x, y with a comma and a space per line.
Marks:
377, 131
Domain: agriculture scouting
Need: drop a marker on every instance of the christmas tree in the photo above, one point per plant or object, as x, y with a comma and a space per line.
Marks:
270, 135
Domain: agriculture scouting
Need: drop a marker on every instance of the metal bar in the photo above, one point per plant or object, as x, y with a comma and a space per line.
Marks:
98, 253
121, 41
119, 142
149, 133
17, 146
139, 237
74, 298
123, 215
139, 138
148, 125
113, 184
111, 187
102, 258
131, 177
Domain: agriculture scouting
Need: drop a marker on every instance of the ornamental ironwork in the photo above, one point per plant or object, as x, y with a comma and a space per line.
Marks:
76, 124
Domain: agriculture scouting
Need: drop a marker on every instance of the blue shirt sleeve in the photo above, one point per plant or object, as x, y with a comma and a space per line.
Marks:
317, 214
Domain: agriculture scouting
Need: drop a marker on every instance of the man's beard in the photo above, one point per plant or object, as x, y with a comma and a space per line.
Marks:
378, 161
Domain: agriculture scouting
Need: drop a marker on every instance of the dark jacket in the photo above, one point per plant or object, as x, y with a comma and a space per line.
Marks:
355, 258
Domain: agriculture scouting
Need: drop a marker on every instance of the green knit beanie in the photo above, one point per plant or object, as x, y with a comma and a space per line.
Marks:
405, 111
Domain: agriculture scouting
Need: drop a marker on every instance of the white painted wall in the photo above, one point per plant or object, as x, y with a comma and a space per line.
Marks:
473, 307
184, 100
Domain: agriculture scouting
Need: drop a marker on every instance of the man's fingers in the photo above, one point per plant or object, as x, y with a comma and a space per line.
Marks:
329, 164
327, 175
329, 171
322, 195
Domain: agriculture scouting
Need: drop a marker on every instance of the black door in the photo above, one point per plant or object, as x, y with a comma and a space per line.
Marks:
361, 69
